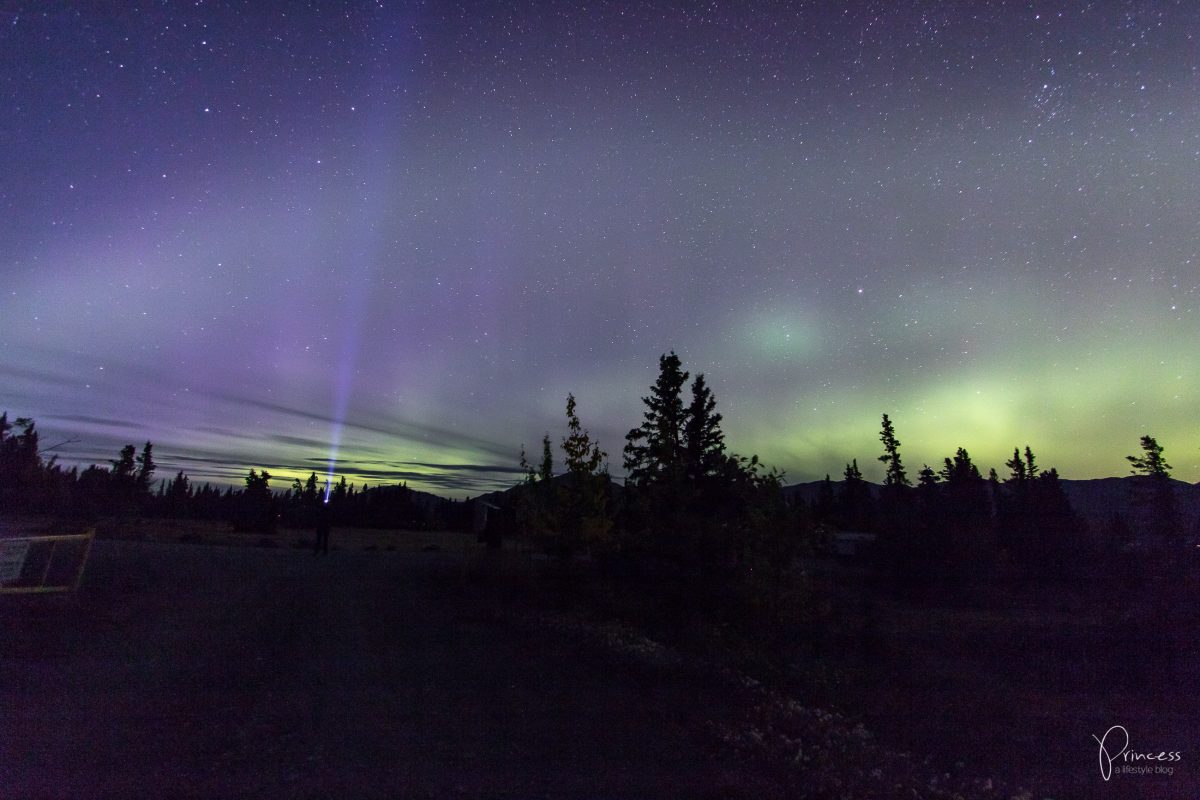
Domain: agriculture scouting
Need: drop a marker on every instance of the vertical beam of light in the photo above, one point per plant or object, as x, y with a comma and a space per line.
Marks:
343, 386
359, 274
368, 239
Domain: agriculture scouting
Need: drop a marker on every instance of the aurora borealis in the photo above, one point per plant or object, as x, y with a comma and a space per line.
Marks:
245, 231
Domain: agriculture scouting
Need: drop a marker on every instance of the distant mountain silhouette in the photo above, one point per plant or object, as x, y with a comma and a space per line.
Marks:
1096, 499
427, 500
1099, 498
504, 497
808, 492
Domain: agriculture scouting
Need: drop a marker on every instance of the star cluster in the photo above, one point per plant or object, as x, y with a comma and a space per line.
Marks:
261, 234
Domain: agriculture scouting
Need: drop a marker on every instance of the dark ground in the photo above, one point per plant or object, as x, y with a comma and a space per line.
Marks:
182, 670
194, 670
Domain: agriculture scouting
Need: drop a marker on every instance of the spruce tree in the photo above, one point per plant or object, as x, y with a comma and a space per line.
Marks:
123, 479
125, 467
1014, 508
895, 478
1035, 523
255, 504
854, 503
1031, 469
178, 495
1151, 463
688, 501
704, 441
1016, 469
654, 449
145, 469
1154, 490
927, 494
21, 468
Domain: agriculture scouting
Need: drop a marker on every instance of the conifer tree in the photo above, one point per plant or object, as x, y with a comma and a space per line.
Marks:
654, 449
339, 493
1151, 463
927, 477
687, 500
145, 469
124, 468
1016, 469
927, 496
1154, 491
704, 441
854, 504
255, 504
21, 468
1035, 523
178, 495
123, 478
960, 469
895, 478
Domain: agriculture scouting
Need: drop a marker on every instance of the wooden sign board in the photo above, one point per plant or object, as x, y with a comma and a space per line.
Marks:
12, 559
34, 564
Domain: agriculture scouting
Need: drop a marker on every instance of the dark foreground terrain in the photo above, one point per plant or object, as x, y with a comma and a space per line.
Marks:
202, 671
192, 670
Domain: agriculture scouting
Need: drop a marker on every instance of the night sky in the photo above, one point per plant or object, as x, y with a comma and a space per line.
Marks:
256, 233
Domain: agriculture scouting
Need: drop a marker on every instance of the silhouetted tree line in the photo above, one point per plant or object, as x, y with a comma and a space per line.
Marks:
705, 533
687, 504
688, 508
395, 506
956, 527
30, 484
692, 504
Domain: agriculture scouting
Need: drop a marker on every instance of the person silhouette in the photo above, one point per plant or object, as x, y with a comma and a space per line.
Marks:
322, 544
